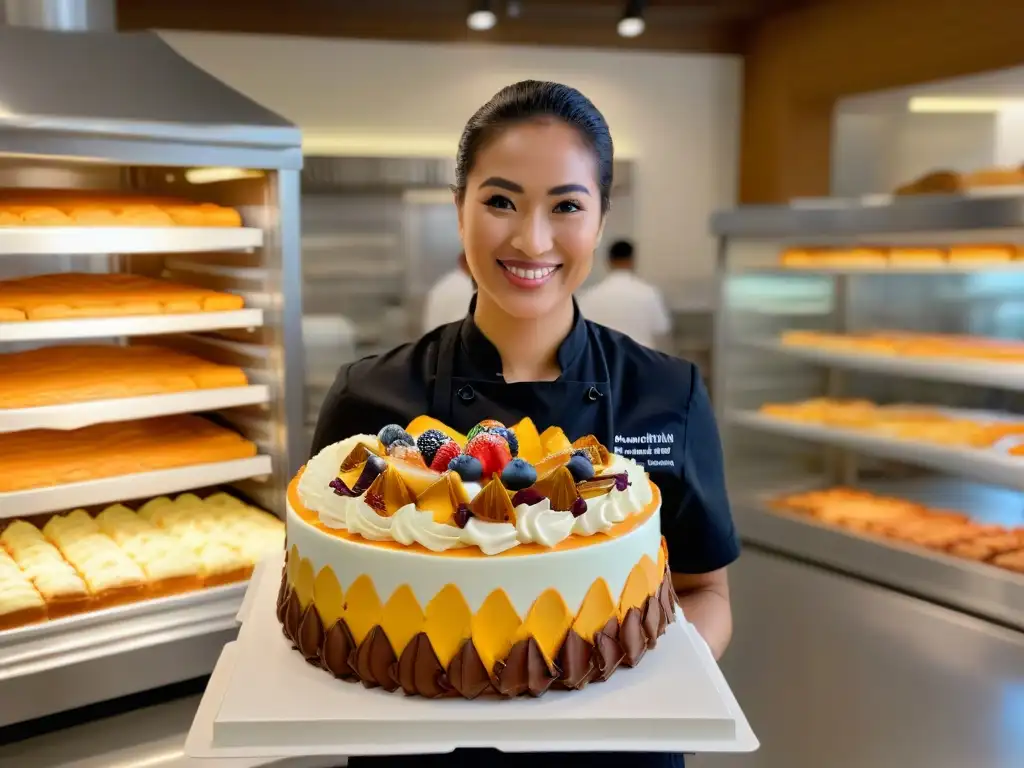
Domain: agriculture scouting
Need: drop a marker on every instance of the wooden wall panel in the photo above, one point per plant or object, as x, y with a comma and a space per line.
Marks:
800, 62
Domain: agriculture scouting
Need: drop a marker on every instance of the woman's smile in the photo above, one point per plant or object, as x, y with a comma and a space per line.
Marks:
526, 274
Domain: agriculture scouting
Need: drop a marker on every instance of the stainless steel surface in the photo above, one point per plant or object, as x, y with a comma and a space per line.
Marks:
133, 99
836, 673
60, 15
150, 737
830, 218
84, 659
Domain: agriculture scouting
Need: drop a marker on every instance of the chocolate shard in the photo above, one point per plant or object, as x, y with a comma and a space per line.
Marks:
652, 622
374, 659
292, 617
337, 650
466, 672
311, 634
667, 598
576, 662
632, 637
419, 672
608, 653
524, 671
282, 598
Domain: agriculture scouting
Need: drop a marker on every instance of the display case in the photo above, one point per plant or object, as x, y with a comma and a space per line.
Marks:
871, 349
98, 116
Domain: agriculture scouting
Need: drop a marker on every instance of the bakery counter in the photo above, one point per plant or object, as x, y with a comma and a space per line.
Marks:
954, 543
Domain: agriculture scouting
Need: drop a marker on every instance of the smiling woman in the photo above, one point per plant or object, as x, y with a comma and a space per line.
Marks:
533, 179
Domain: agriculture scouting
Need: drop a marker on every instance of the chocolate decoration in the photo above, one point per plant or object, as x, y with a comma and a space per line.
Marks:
524, 671
632, 637
576, 660
667, 598
418, 671
466, 672
292, 616
282, 598
373, 660
652, 621
608, 654
337, 650
311, 634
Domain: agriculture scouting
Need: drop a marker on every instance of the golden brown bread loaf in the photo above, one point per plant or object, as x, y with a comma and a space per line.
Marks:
83, 208
69, 295
42, 458
74, 374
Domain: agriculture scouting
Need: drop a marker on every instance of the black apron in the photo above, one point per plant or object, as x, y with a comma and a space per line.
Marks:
578, 407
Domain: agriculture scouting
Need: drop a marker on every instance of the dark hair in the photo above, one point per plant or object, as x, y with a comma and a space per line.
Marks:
529, 100
621, 250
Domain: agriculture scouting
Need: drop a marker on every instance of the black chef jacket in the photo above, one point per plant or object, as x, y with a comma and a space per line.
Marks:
640, 403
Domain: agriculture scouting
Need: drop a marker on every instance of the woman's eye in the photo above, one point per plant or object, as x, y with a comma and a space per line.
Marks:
501, 202
568, 206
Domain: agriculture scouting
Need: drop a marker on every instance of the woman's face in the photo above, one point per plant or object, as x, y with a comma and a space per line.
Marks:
531, 217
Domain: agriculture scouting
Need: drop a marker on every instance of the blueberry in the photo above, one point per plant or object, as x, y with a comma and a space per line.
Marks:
518, 474
393, 432
429, 442
467, 467
510, 438
580, 467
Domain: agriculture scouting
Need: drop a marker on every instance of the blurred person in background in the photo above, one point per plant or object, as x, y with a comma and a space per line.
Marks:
448, 299
627, 304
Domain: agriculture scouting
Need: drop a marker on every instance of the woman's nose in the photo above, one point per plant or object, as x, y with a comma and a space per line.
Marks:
534, 236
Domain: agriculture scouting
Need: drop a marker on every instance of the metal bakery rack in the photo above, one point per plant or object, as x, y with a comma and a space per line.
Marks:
761, 299
135, 117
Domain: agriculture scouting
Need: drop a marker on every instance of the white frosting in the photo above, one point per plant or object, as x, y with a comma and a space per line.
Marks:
537, 524
522, 577
414, 526
542, 525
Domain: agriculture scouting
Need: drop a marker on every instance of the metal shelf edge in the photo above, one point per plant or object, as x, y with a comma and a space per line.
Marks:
38, 241
980, 589
141, 325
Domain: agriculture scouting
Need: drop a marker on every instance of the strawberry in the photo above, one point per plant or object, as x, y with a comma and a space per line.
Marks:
443, 456
491, 451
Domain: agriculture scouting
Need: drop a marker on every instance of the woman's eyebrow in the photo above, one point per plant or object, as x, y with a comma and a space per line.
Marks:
497, 181
565, 189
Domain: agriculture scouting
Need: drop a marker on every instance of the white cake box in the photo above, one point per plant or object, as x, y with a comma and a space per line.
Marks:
265, 701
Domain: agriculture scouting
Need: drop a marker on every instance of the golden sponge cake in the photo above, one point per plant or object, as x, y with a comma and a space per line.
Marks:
84, 208
80, 373
53, 577
75, 295
20, 601
44, 458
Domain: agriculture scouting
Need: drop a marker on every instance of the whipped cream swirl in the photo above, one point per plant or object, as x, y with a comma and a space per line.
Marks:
535, 524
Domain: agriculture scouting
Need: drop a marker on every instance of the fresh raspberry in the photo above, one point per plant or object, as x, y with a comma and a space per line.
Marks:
491, 451
444, 454
429, 442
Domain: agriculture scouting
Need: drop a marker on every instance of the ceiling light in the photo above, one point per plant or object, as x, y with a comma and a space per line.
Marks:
482, 17
961, 104
632, 22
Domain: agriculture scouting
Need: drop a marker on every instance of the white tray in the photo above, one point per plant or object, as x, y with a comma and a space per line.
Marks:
264, 700
135, 486
78, 415
987, 465
136, 325
101, 240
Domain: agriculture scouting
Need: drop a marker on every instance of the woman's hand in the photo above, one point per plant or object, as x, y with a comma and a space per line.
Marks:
705, 601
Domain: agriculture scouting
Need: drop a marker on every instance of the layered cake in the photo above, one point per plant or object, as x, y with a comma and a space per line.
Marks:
502, 562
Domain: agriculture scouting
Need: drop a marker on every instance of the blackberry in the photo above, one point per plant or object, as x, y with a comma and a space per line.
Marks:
393, 432
429, 442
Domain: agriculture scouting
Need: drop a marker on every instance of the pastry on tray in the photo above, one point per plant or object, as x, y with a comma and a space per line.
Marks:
79, 373
499, 563
82, 208
45, 458
79, 562
109, 294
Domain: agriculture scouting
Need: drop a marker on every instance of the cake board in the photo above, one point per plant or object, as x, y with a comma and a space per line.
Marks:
265, 701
